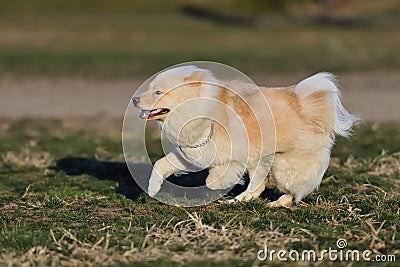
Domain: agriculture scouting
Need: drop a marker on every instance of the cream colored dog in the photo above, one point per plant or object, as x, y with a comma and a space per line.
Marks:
233, 127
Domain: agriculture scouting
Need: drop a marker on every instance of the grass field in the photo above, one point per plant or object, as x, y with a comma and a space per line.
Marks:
48, 217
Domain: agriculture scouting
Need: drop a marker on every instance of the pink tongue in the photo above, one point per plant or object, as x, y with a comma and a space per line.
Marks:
145, 114
154, 112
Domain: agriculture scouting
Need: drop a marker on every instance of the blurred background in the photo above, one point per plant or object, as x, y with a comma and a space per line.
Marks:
75, 59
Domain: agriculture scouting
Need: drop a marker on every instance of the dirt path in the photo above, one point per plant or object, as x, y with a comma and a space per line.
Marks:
375, 96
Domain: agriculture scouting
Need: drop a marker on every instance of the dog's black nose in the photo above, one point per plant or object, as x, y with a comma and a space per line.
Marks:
136, 100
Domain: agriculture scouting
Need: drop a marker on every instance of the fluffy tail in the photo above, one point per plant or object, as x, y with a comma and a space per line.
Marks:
320, 100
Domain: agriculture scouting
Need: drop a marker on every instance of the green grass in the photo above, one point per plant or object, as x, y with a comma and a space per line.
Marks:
48, 216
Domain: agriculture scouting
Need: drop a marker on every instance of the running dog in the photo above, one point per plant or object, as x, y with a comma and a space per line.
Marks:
233, 127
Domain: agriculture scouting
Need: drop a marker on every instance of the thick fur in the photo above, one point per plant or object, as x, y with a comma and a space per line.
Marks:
296, 139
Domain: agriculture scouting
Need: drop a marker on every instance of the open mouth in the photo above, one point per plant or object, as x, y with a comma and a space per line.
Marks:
151, 114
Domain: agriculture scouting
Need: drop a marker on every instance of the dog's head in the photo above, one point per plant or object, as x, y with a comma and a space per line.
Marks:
173, 87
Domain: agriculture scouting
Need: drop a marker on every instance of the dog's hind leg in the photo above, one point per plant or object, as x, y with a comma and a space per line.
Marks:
298, 174
225, 176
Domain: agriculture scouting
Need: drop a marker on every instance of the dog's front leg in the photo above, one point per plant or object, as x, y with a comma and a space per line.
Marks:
257, 184
225, 176
163, 168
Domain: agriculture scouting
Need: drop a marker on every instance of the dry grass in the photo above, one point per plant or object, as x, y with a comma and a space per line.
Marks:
385, 165
382, 165
180, 241
28, 157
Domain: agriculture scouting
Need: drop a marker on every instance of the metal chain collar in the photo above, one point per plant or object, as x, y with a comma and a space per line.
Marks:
205, 141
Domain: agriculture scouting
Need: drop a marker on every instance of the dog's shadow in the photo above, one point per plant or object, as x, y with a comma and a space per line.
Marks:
119, 172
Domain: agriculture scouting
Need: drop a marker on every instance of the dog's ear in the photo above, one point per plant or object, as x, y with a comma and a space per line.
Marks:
195, 79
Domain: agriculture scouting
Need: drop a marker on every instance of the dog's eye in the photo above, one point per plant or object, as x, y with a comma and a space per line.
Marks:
158, 92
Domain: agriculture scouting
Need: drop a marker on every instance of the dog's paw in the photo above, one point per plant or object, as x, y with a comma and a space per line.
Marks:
284, 201
245, 196
230, 200
274, 204
154, 185
153, 189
